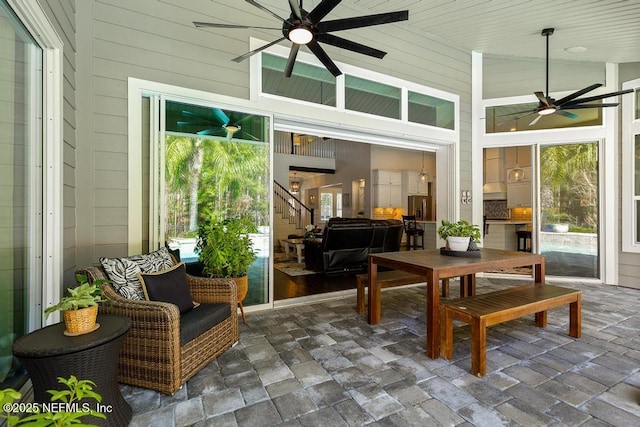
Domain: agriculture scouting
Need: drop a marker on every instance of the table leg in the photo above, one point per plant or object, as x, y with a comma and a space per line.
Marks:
575, 318
286, 248
467, 285
433, 310
374, 294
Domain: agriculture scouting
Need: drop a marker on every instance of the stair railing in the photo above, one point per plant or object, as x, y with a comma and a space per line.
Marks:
291, 208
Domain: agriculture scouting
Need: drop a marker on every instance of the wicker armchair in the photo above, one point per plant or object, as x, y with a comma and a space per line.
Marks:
152, 356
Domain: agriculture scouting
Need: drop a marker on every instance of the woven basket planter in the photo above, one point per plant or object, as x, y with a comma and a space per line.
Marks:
80, 321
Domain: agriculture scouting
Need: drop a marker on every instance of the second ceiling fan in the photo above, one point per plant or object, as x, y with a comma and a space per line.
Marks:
307, 28
548, 105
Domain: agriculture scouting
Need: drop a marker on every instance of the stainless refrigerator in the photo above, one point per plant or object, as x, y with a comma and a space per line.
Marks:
421, 207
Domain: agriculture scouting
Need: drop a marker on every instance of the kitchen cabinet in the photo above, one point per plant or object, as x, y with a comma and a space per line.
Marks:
387, 188
519, 155
519, 194
412, 184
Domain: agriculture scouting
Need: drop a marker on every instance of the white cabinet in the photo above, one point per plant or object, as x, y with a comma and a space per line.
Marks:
519, 194
412, 184
519, 155
387, 188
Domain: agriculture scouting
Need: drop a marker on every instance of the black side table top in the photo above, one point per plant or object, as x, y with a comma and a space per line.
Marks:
50, 340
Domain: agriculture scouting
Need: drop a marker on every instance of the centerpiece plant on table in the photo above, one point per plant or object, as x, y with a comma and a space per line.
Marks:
459, 235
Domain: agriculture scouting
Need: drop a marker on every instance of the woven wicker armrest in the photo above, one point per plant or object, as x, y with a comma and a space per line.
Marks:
208, 290
154, 312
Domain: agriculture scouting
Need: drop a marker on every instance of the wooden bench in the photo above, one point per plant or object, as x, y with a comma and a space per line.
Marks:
491, 308
388, 279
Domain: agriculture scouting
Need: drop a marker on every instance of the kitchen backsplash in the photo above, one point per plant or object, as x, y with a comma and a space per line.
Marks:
496, 209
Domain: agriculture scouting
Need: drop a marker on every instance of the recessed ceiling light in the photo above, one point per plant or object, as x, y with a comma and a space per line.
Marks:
575, 49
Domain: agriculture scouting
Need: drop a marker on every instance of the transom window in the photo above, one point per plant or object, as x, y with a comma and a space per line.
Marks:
520, 117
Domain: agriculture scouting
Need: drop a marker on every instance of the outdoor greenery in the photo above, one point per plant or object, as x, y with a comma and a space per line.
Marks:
76, 390
569, 186
82, 296
224, 246
212, 178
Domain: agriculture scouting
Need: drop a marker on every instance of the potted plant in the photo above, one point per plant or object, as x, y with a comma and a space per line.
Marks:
226, 250
80, 307
458, 235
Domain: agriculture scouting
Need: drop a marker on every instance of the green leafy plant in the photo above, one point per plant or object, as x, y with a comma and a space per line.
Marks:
459, 229
224, 247
76, 391
82, 296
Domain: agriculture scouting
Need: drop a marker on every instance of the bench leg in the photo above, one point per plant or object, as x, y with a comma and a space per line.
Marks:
478, 347
541, 319
575, 318
360, 296
446, 333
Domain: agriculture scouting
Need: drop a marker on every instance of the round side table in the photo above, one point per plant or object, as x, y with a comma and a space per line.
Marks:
48, 354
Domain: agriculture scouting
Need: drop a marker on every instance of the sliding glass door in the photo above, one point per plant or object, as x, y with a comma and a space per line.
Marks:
569, 207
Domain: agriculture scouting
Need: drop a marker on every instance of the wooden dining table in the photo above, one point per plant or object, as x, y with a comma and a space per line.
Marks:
434, 266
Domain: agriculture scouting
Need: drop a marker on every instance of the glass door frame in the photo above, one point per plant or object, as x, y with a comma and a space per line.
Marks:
137, 90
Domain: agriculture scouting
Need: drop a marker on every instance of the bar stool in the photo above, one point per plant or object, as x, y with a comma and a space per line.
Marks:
524, 237
412, 230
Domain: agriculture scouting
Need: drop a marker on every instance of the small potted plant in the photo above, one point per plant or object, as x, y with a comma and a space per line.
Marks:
458, 235
226, 251
80, 307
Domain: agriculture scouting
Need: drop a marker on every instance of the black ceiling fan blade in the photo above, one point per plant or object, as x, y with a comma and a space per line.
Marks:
543, 99
517, 112
253, 52
261, 7
596, 98
582, 106
324, 58
212, 132
214, 25
222, 116
350, 45
295, 9
288, 69
362, 21
322, 10
195, 123
574, 95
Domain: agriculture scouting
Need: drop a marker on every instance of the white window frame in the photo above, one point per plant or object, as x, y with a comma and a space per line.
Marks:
630, 128
45, 289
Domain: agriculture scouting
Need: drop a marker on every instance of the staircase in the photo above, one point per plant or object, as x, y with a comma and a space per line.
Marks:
291, 215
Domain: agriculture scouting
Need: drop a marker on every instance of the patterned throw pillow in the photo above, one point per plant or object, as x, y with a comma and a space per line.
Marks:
123, 272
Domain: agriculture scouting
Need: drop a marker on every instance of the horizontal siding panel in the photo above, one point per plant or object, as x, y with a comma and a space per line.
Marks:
111, 179
110, 198
108, 161
115, 125
111, 234
110, 216
106, 142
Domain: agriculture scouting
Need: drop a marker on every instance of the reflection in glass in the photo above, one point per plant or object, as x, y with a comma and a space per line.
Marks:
371, 97
217, 166
307, 82
637, 96
20, 186
429, 110
636, 167
519, 117
569, 202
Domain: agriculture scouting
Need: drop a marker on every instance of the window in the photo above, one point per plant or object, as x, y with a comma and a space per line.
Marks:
326, 206
371, 97
631, 168
21, 225
520, 117
307, 82
432, 111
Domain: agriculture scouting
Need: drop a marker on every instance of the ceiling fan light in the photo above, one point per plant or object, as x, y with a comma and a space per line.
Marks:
300, 35
231, 128
547, 111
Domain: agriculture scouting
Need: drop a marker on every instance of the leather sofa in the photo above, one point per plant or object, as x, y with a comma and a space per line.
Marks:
346, 243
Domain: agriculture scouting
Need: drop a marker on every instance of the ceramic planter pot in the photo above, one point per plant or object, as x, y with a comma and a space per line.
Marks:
458, 244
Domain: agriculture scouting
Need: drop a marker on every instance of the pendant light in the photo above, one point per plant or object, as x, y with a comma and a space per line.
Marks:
294, 186
516, 174
424, 175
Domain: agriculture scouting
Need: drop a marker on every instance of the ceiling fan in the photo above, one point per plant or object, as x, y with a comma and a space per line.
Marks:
218, 124
307, 28
548, 105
